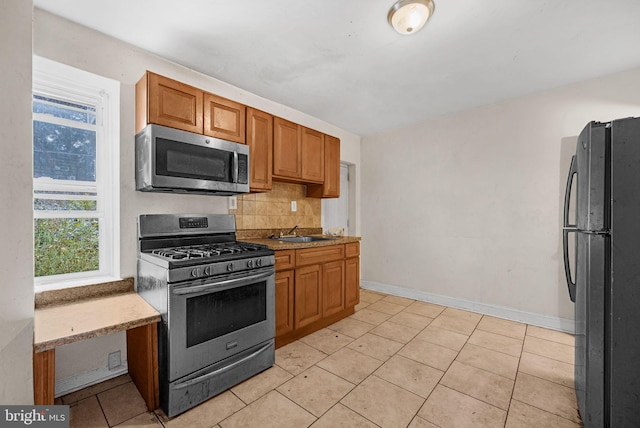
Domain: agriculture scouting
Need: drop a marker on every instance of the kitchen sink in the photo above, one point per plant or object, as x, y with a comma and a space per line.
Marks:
302, 239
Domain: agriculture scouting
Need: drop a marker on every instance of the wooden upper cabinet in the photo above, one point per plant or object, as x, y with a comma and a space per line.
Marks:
312, 155
164, 101
287, 149
224, 118
298, 153
330, 188
260, 141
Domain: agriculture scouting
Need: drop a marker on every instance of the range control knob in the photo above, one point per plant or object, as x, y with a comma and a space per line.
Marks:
230, 267
259, 262
250, 264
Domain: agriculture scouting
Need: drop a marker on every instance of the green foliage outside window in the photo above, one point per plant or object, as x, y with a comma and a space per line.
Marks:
66, 245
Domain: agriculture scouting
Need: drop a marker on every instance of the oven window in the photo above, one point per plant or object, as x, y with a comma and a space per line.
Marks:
177, 159
215, 314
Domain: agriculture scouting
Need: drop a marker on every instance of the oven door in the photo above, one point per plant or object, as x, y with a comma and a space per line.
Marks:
213, 319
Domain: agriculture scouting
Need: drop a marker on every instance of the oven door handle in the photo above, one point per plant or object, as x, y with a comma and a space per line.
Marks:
218, 372
219, 284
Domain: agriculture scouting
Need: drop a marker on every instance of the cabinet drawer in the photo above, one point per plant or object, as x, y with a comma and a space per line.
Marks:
285, 259
352, 249
318, 255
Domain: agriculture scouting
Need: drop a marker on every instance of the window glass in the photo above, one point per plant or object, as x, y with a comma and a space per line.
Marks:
75, 176
63, 152
66, 245
64, 109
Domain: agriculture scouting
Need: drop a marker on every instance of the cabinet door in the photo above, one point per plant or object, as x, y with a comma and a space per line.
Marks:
224, 118
287, 160
174, 104
260, 141
352, 281
330, 188
284, 302
308, 295
312, 155
332, 287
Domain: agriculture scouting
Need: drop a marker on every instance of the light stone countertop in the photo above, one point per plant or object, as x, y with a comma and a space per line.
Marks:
64, 324
276, 245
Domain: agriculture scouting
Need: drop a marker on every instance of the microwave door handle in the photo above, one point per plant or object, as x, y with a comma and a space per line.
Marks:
218, 285
235, 167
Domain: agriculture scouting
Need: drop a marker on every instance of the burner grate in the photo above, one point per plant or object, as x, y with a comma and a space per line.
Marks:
205, 251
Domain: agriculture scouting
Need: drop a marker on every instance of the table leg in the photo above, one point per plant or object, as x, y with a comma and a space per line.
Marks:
142, 359
44, 382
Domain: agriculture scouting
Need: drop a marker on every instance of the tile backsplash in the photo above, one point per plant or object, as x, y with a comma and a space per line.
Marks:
272, 210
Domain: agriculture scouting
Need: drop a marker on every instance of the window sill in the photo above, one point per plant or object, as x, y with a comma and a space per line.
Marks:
70, 294
53, 284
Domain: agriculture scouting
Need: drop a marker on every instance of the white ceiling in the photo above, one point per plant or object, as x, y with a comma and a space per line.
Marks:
340, 61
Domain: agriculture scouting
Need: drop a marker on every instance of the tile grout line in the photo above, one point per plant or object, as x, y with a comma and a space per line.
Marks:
554, 414
383, 362
477, 368
513, 388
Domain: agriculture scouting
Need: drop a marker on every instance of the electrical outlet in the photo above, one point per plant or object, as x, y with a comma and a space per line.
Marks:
114, 360
233, 202
294, 206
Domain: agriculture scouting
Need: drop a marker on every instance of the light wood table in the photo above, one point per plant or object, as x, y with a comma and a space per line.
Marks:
64, 324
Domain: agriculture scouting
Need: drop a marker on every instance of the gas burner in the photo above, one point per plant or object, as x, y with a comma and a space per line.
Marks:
170, 254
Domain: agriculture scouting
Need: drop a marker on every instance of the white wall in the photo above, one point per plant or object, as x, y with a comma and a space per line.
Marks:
16, 225
471, 203
72, 44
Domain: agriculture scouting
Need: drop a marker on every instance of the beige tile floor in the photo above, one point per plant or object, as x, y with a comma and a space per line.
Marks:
394, 363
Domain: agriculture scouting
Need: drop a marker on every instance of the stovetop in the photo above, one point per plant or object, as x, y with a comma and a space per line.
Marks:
195, 246
206, 252
192, 255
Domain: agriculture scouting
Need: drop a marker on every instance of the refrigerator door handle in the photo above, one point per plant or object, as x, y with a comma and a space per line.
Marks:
568, 228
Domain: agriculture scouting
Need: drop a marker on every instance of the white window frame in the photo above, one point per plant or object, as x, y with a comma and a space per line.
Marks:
61, 81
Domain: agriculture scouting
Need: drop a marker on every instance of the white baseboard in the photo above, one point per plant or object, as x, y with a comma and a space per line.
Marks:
546, 321
83, 380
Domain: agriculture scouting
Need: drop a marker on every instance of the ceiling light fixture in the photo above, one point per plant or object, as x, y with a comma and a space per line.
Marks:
409, 16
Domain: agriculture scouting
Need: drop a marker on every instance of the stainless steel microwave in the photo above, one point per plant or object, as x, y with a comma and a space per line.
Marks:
171, 160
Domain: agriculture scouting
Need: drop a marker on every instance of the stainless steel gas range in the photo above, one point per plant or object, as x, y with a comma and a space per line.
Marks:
216, 297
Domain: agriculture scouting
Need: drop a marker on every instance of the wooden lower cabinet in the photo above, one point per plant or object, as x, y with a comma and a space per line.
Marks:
333, 287
284, 302
315, 287
308, 295
352, 281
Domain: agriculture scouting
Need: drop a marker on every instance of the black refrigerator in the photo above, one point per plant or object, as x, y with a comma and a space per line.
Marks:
604, 281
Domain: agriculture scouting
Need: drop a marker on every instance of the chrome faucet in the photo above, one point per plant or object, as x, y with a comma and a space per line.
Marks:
290, 232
